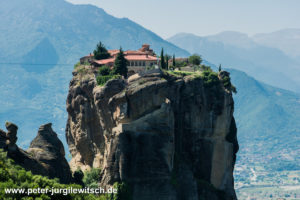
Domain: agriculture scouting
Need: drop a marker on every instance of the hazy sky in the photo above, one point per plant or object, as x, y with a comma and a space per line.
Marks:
203, 17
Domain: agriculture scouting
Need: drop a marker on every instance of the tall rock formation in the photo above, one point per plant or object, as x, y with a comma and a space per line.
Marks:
45, 156
49, 150
167, 137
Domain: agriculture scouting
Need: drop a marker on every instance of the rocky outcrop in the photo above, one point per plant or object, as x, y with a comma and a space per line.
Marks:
8, 143
49, 151
8, 139
168, 137
45, 155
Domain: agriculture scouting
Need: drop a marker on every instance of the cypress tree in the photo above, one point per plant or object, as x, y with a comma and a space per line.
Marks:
174, 62
120, 65
101, 52
162, 59
167, 57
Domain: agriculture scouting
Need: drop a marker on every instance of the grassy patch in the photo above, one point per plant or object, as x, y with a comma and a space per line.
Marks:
76, 65
81, 70
102, 80
180, 73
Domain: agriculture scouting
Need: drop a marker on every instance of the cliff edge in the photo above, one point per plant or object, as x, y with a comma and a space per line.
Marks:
167, 136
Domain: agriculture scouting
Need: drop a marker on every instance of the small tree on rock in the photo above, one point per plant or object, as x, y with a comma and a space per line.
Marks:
195, 59
162, 59
173, 61
104, 70
167, 57
120, 65
101, 52
78, 176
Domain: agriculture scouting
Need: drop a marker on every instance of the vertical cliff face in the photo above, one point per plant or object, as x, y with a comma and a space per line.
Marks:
167, 137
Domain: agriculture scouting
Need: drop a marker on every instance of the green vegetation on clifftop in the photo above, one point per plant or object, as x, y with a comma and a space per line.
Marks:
15, 177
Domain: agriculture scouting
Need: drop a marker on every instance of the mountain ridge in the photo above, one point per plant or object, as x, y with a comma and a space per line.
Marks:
287, 40
264, 63
71, 31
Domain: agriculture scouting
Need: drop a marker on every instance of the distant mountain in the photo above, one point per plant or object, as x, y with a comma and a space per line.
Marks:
238, 51
71, 29
266, 116
55, 34
268, 122
287, 40
40, 41
233, 38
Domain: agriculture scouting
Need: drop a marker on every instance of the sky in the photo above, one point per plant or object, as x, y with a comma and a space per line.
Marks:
205, 17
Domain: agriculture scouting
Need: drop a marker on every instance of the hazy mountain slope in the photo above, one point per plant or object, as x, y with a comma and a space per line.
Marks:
267, 117
40, 41
267, 120
26, 23
238, 51
287, 40
35, 94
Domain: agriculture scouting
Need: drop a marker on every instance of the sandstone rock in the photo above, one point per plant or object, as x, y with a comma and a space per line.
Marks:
49, 151
8, 143
168, 137
46, 155
11, 135
2, 139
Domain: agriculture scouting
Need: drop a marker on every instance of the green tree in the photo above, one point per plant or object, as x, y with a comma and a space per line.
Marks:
162, 59
124, 191
104, 70
120, 65
195, 59
13, 176
174, 61
92, 178
101, 52
220, 67
78, 176
167, 57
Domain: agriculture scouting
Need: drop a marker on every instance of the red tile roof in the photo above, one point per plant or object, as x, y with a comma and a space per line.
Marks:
129, 52
105, 61
113, 52
140, 57
130, 55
